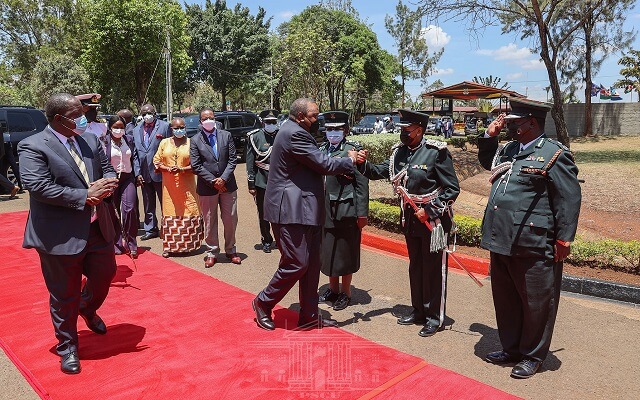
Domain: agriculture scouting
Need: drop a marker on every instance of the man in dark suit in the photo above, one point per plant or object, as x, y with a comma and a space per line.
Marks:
213, 159
147, 137
68, 175
529, 223
294, 204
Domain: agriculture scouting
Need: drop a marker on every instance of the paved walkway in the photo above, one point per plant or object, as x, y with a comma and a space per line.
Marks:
594, 351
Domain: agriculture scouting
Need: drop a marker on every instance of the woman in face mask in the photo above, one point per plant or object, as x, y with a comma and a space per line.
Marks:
119, 151
347, 207
180, 212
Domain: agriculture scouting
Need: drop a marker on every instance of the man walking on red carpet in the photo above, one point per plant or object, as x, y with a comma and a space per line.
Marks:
68, 175
294, 204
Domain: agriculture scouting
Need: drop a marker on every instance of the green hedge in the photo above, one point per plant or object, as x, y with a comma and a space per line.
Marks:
600, 254
379, 145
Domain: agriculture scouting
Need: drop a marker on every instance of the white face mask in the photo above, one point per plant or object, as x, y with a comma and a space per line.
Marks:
209, 125
270, 128
148, 118
334, 137
117, 133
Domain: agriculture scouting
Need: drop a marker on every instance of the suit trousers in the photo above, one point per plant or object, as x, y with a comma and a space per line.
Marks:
63, 277
299, 247
124, 199
6, 184
151, 190
265, 226
428, 280
526, 292
228, 203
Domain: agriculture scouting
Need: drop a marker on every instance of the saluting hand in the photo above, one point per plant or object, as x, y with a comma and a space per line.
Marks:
496, 125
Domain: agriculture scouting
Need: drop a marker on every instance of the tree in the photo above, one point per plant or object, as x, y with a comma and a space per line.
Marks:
124, 47
601, 33
631, 71
413, 52
57, 73
546, 22
228, 46
492, 81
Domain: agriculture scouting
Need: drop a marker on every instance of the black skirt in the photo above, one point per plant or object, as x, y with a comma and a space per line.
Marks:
341, 248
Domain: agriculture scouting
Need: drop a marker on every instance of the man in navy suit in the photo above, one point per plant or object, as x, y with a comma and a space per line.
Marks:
68, 175
147, 137
213, 159
294, 204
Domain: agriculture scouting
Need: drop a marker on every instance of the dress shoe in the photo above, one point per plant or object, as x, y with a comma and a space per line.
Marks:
525, 368
14, 191
266, 247
411, 319
149, 235
209, 261
318, 323
328, 295
428, 330
95, 323
263, 319
134, 254
342, 302
234, 258
70, 363
501, 357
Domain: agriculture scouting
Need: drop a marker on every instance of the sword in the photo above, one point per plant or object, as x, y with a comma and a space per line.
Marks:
405, 195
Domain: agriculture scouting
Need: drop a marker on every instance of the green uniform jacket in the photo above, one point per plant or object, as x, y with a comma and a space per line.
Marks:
262, 141
345, 197
528, 210
429, 167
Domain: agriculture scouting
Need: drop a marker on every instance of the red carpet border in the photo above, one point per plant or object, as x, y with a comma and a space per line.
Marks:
177, 333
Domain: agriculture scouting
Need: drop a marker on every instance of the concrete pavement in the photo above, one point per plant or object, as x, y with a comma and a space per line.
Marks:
594, 351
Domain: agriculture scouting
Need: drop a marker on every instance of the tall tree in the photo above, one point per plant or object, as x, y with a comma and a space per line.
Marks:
56, 73
491, 80
228, 46
545, 22
601, 33
413, 52
631, 71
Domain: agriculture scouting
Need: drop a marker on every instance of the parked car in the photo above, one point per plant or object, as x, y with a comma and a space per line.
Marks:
433, 126
20, 122
365, 125
239, 123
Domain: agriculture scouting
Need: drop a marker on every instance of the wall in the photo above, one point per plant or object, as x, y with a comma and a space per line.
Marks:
608, 119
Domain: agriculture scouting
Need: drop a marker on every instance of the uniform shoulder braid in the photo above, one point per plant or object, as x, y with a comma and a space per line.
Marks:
353, 143
252, 132
436, 143
557, 143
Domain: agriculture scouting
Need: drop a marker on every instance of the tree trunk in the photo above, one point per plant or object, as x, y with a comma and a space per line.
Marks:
223, 92
588, 120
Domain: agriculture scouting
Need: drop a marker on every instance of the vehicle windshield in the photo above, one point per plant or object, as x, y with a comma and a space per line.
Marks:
368, 120
191, 121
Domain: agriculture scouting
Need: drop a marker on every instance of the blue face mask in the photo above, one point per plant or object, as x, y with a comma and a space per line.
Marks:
179, 132
80, 122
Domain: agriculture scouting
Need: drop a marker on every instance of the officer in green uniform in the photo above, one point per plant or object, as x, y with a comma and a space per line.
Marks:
423, 171
530, 221
347, 207
258, 151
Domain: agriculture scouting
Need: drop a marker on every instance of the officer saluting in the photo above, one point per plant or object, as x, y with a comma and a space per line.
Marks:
530, 221
423, 170
347, 207
90, 104
258, 152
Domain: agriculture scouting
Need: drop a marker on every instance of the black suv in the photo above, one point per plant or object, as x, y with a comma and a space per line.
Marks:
20, 122
239, 123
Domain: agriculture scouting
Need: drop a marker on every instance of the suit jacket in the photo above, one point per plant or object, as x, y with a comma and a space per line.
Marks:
209, 167
295, 190
145, 152
59, 219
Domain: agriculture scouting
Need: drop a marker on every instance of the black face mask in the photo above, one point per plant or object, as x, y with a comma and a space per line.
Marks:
405, 138
313, 128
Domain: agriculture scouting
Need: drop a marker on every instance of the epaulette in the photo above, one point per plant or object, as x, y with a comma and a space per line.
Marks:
397, 145
436, 143
353, 143
252, 132
560, 145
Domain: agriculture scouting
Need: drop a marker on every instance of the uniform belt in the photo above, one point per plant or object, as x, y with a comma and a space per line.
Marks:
425, 198
262, 165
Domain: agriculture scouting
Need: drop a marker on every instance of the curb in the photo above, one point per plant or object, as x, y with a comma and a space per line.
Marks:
573, 284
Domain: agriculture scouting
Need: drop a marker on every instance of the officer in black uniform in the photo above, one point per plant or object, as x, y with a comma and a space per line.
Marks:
530, 221
423, 169
258, 151
347, 207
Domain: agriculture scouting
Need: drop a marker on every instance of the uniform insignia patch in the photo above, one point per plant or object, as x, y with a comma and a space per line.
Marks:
540, 159
530, 158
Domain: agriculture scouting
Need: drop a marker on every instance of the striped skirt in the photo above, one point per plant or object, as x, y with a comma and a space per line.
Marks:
182, 234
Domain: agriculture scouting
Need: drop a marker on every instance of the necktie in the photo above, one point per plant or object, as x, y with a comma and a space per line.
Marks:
332, 149
75, 154
214, 144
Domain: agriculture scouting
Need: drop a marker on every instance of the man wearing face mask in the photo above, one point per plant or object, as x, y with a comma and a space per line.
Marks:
347, 207
258, 151
68, 175
146, 139
529, 223
294, 204
213, 159
90, 104
424, 170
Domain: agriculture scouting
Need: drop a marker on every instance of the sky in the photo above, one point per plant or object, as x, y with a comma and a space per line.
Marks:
493, 53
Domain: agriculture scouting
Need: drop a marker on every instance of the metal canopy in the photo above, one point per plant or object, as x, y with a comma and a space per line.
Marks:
470, 91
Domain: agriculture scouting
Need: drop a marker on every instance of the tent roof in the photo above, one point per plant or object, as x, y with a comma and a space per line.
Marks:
470, 91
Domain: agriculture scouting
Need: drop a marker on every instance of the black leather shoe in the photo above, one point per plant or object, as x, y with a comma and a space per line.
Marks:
342, 302
525, 368
318, 323
411, 319
70, 363
149, 235
134, 254
428, 330
263, 319
95, 323
266, 247
501, 357
328, 295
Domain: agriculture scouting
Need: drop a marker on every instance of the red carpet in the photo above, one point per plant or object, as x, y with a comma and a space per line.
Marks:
176, 333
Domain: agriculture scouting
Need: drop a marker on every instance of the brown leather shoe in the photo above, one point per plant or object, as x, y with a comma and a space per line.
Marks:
14, 191
234, 258
209, 261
